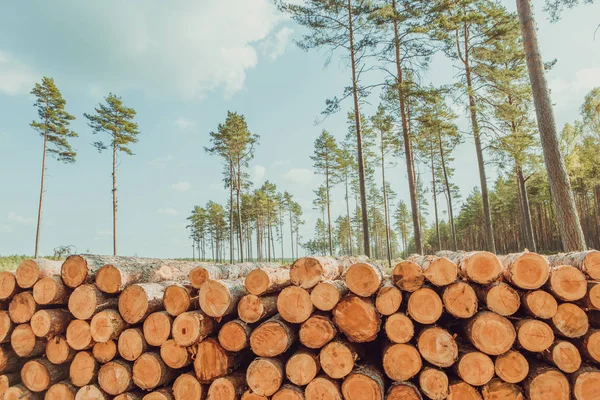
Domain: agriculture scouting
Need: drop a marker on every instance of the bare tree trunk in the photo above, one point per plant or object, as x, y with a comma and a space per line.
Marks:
350, 242
360, 158
291, 231
39, 219
281, 231
231, 237
487, 214
526, 211
435, 207
448, 193
385, 208
569, 225
114, 192
239, 208
328, 209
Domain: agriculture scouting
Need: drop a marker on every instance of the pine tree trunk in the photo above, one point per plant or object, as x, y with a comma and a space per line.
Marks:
231, 238
328, 207
359, 146
526, 212
350, 242
239, 210
566, 214
489, 230
448, 193
39, 219
385, 209
435, 206
114, 193
291, 231
407, 143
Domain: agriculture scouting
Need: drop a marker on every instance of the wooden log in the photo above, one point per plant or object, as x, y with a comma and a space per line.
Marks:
590, 345
437, 346
157, 328
425, 306
249, 395
149, 371
179, 298
58, 350
545, 383
9, 361
570, 321
528, 271
8, 380
477, 266
474, 367
323, 388
91, 392
460, 300
302, 367
434, 383
500, 298
294, 304
204, 272
273, 337
337, 358
460, 390
325, 295
6, 327
401, 362
83, 369
25, 343
50, 322
490, 333
39, 374
399, 328
264, 376
136, 395
165, 393
357, 318
116, 377
220, 298
29, 272
439, 271
176, 356
213, 361
533, 335
79, 336
289, 392
563, 355
591, 300
22, 307
51, 290
252, 308
539, 304
20, 392
365, 382
107, 325
87, 300
306, 272
496, 389
408, 276
61, 391
138, 301
235, 335
187, 387
567, 283
511, 367
403, 391
267, 280
587, 262
132, 344
8, 285
388, 299
364, 279
586, 383
104, 352
192, 327
229, 387
317, 331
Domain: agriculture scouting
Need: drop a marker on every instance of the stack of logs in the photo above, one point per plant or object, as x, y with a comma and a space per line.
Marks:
456, 325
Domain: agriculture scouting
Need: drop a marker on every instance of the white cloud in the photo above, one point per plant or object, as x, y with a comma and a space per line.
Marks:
16, 78
168, 211
181, 186
14, 217
162, 162
584, 80
258, 173
185, 51
274, 46
299, 176
183, 123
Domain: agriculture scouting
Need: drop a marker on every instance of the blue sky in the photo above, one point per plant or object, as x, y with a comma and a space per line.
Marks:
182, 68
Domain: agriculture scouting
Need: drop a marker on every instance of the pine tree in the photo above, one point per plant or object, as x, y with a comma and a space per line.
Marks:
53, 126
116, 120
344, 168
557, 7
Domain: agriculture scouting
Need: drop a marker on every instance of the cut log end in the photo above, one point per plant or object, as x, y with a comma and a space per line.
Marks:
212, 361
174, 355
408, 276
104, 352
425, 306
496, 389
38, 375
363, 279
20, 392
401, 362
79, 335
289, 392
547, 384
109, 279
527, 271
22, 307
322, 388
132, 344
437, 346
317, 331
388, 299
491, 333
567, 283
434, 383
403, 391
133, 304
177, 300
115, 377
157, 328
511, 367
191, 327
25, 343
502, 299
107, 325
83, 302
234, 335
357, 318
302, 367
91, 392
306, 272
61, 391
364, 383
149, 371
533, 335
441, 271
475, 368
460, 300
74, 271
540, 304
294, 304
463, 391
83, 369
249, 395
58, 350
218, 298
186, 386
564, 355
337, 359
27, 274
586, 384
50, 290
399, 328
570, 321
265, 375
271, 338
327, 294
8, 285
482, 267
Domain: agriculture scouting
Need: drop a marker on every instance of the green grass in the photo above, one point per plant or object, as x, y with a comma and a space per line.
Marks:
8, 263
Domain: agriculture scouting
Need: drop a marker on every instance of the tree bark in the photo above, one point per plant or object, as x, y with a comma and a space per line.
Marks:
569, 225
239, 210
114, 195
39, 219
525, 210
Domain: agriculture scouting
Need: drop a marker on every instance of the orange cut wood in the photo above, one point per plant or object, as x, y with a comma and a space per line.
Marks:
500, 298
590, 345
327, 294
511, 367
364, 279
219, 298
267, 280
39, 374
235, 335
29, 272
544, 383
50, 322
477, 266
401, 362
408, 276
6, 327
58, 350
229, 387
586, 383
563, 355
79, 335
8, 285
302, 367
104, 352
363, 383
570, 321
160, 394
174, 355
587, 262
306, 272
474, 367
25, 343
138, 301
61, 391
439, 271
179, 298
51, 290
526, 270
539, 304
567, 283
212, 361
187, 387
496, 389
533, 335
425, 306
490, 333
322, 388
22, 307
107, 325
389, 298
294, 304
132, 344
130, 396
7, 380
252, 308
337, 358
20, 392
437, 346
91, 392
317, 331
272, 338
157, 328
460, 300
289, 392
149, 371
87, 300
115, 377
434, 383
264, 376
83, 369
248, 395
403, 391
192, 327
357, 318
399, 328
461, 390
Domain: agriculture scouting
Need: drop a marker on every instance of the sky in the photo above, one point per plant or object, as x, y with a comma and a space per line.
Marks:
182, 66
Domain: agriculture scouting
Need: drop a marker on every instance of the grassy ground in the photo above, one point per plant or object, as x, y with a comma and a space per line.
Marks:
12, 262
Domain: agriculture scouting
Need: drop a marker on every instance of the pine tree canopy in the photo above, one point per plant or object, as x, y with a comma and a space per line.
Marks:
53, 120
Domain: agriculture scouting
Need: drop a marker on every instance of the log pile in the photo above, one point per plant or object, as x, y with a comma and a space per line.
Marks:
456, 326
